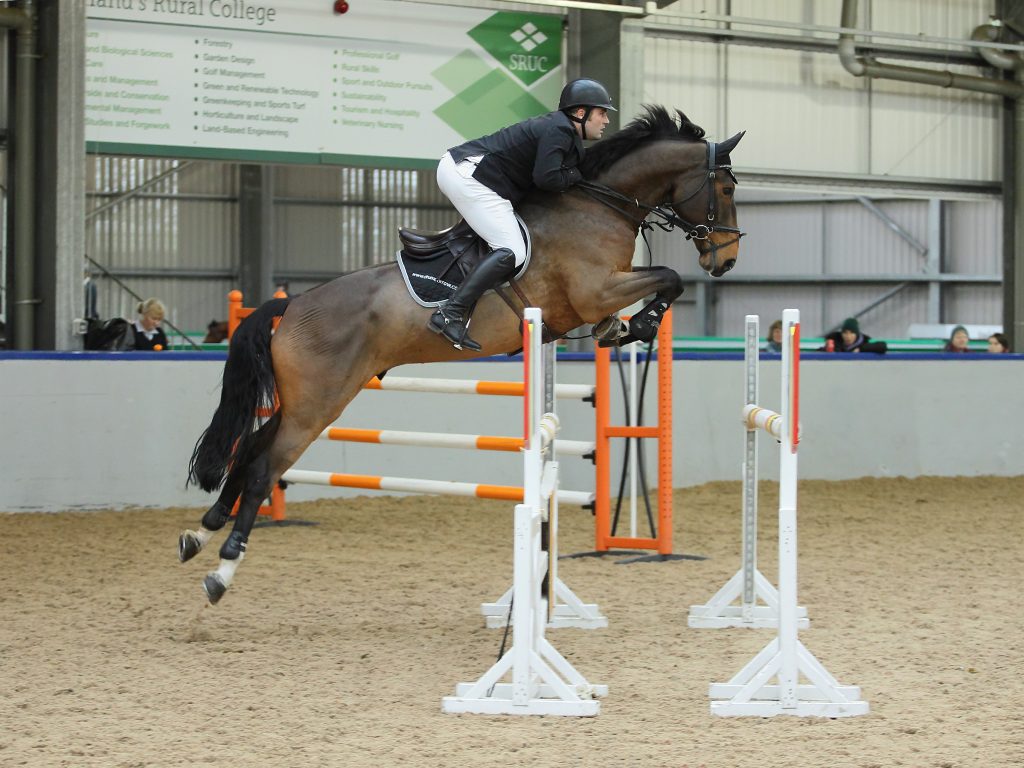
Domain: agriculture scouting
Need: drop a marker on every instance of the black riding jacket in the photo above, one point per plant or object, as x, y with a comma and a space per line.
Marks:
540, 152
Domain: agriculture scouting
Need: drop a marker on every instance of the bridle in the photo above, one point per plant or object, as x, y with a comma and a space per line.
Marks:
667, 219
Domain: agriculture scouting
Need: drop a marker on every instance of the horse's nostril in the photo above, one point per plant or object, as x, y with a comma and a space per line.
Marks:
728, 265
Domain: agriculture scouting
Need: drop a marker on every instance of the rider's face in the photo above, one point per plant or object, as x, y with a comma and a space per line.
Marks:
595, 124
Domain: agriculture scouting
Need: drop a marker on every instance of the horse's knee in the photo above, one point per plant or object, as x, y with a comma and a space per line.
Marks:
216, 516
674, 286
234, 546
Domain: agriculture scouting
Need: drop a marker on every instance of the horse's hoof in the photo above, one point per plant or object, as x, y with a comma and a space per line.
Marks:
189, 545
609, 330
214, 587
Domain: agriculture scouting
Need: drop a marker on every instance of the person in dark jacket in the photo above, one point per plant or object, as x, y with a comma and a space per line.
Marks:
850, 339
958, 341
773, 343
148, 333
485, 178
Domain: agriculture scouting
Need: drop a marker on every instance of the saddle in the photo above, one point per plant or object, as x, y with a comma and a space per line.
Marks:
433, 264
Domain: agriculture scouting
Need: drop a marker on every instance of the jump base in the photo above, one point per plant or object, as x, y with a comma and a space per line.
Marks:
569, 612
500, 702
719, 612
752, 694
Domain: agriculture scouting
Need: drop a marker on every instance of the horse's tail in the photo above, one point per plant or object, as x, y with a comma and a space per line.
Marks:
248, 385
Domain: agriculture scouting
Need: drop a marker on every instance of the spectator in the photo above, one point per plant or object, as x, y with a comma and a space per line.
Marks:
148, 333
849, 339
773, 343
958, 340
998, 343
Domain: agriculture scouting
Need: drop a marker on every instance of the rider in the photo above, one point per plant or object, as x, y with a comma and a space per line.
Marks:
486, 177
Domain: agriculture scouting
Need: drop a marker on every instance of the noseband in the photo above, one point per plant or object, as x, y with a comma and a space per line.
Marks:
667, 214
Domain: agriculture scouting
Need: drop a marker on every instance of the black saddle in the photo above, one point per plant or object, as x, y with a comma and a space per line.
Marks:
426, 244
434, 264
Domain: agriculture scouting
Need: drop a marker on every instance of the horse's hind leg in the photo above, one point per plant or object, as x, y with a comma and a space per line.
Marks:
255, 477
293, 436
190, 543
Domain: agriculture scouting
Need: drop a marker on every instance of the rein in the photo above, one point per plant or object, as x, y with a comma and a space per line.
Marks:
665, 212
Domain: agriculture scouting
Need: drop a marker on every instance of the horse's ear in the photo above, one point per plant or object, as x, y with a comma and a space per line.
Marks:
725, 147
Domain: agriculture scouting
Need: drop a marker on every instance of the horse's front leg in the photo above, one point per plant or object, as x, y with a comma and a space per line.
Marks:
645, 323
621, 289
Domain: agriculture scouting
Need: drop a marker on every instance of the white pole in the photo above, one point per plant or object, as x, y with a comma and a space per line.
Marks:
749, 529
789, 669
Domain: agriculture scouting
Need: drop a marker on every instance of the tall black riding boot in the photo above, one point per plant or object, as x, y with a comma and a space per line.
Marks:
451, 320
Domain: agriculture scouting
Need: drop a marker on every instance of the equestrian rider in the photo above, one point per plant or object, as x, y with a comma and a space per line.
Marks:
485, 178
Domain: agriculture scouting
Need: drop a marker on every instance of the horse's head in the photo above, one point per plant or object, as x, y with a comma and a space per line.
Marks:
664, 167
704, 203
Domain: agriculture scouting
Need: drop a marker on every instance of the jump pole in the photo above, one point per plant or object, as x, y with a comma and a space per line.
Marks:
759, 600
752, 691
542, 682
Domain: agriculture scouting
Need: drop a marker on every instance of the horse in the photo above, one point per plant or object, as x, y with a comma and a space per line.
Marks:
330, 341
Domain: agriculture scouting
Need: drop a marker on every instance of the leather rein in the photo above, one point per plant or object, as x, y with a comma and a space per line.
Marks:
665, 213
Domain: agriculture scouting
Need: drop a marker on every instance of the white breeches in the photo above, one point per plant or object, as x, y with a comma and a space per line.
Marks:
488, 213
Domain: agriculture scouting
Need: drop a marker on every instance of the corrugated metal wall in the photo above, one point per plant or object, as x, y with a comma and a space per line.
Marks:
334, 220
806, 240
805, 114
812, 115
179, 239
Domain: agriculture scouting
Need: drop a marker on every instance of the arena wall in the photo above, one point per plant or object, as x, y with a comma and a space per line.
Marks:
117, 430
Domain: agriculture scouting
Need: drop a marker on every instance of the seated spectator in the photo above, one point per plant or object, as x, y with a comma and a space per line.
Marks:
773, 343
958, 340
998, 343
216, 332
850, 339
148, 333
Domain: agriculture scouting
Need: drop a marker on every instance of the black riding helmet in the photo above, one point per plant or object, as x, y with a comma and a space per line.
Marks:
585, 93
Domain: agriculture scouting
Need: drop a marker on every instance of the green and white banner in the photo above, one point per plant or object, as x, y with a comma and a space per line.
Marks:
387, 83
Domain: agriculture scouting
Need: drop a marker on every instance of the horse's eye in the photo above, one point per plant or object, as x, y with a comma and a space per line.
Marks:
728, 191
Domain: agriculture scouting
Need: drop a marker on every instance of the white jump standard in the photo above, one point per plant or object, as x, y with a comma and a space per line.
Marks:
565, 609
543, 682
759, 600
770, 683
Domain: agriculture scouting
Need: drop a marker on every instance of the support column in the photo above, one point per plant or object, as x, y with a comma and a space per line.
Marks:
594, 40
935, 258
1013, 220
1013, 205
60, 175
256, 232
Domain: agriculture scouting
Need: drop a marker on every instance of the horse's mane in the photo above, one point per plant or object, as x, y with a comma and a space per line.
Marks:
653, 125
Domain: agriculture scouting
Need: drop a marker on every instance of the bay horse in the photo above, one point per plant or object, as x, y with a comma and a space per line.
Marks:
333, 339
